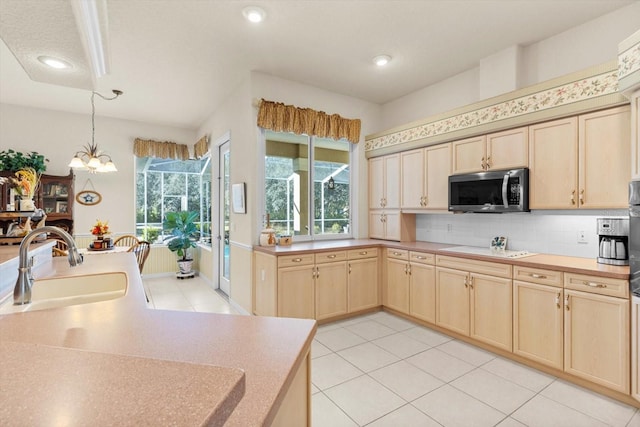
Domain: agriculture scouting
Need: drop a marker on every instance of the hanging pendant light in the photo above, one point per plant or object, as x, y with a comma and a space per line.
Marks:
90, 157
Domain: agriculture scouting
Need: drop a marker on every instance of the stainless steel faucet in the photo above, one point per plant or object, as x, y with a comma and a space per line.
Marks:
22, 291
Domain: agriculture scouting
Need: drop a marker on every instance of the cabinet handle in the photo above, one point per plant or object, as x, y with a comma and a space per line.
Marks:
420, 257
482, 165
363, 253
558, 300
466, 284
471, 282
405, 269
573, 197
317, 271
409, 269
566, 302
313, 273
296, 260
488, 163
331, 256
582, 196
538, 276
349, 268
594, 285
397, 253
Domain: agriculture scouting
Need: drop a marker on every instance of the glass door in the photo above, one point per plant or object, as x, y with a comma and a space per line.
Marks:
224, 261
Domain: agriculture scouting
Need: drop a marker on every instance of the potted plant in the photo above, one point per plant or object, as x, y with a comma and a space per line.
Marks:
11, 160
184, 235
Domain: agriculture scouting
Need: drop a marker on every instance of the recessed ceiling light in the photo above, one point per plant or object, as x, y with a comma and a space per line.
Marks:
254, 14
381, 60
52, 62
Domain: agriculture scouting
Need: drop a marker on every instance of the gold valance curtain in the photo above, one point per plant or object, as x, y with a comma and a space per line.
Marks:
163, 150
287, 118
201, 147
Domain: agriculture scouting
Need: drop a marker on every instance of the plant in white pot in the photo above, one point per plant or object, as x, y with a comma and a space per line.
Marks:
183, 236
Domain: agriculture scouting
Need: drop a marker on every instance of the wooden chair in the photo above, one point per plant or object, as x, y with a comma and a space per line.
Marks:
141, 249
60, 248
126, 240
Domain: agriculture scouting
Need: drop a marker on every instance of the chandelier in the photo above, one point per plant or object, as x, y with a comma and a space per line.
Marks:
90, 157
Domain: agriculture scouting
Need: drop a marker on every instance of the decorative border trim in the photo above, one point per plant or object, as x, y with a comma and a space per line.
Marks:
629, 63
576, 91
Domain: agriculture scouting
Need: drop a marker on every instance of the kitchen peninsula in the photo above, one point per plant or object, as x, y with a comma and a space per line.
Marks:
117, 360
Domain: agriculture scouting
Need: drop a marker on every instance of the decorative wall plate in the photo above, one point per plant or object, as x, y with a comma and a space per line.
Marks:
88, 197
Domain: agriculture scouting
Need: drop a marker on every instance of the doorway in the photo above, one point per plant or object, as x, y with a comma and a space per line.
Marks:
224, 258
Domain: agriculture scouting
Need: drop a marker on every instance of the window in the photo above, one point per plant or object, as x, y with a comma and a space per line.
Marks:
307, 185
167, 185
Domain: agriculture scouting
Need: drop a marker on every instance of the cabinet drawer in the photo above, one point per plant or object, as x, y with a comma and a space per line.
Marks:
362, 253
323, 257
537, 275
397, 253
295, 260
475, 266
597, 285
422, 258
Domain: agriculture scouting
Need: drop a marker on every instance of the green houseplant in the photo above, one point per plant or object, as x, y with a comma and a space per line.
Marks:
183, 236
11, 160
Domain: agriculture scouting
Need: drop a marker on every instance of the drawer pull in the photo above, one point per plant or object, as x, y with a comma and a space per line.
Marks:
397, 253
331, 256
421, 257
538, 276
594, 285
363, 253
296, 260
558, 300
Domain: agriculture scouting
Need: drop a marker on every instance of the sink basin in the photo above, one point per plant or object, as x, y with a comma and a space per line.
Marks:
66, 291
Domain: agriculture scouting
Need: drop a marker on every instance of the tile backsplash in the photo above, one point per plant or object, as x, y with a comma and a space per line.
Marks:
552, 232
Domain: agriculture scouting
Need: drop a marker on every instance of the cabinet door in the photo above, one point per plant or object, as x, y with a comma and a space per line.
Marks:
469, 155
508, 149
452, 300
422, 292
331, 289
635, 353
438, 165
596, 345
412, 179
296, 292
392, 181
265, 302
553, 163
392, 226
538, 323
491, 310
376, 225
363, 284
398, 285
376, 183
604, 153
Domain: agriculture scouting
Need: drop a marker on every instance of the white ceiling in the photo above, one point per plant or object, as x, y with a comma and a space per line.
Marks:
177, 60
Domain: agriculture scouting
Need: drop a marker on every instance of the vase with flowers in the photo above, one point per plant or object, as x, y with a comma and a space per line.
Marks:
24, 184
100, 229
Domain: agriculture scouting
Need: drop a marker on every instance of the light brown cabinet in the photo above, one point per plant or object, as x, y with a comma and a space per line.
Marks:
424, 178
331, 289
363, 276
538, 325
422, 286
474, 298
296, 291
635, 134
496, 151
265, 279
392, 225
596, 341
384, 182
635, 349
580, 162
397, 292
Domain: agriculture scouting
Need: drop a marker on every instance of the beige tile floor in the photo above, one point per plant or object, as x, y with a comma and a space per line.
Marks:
380, 370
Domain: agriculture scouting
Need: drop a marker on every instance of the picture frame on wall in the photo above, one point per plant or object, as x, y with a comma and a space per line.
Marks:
238, 198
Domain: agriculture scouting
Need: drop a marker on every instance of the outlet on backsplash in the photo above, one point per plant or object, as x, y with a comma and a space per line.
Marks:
582, 236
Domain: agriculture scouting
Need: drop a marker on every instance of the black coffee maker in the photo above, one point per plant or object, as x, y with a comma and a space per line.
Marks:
613, 241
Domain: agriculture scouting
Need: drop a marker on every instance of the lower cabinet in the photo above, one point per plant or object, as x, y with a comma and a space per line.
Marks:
319, 286
475, 304
635, 353
422, 287
596, 340
398, 280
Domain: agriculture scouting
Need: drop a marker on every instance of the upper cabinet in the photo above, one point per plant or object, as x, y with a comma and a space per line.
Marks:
496, 151
424, 178
635, 135
384, 182
581, 162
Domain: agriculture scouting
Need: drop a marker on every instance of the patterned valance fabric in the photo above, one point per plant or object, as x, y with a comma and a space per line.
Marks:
162, 150
287, 118
201, 147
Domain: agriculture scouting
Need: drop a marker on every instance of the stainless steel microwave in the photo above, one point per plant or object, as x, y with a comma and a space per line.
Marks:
490, 192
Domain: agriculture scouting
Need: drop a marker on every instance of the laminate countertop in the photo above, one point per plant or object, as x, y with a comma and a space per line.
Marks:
545, 261
118, 360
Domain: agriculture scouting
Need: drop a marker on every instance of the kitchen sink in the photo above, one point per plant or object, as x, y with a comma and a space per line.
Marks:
67, 291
